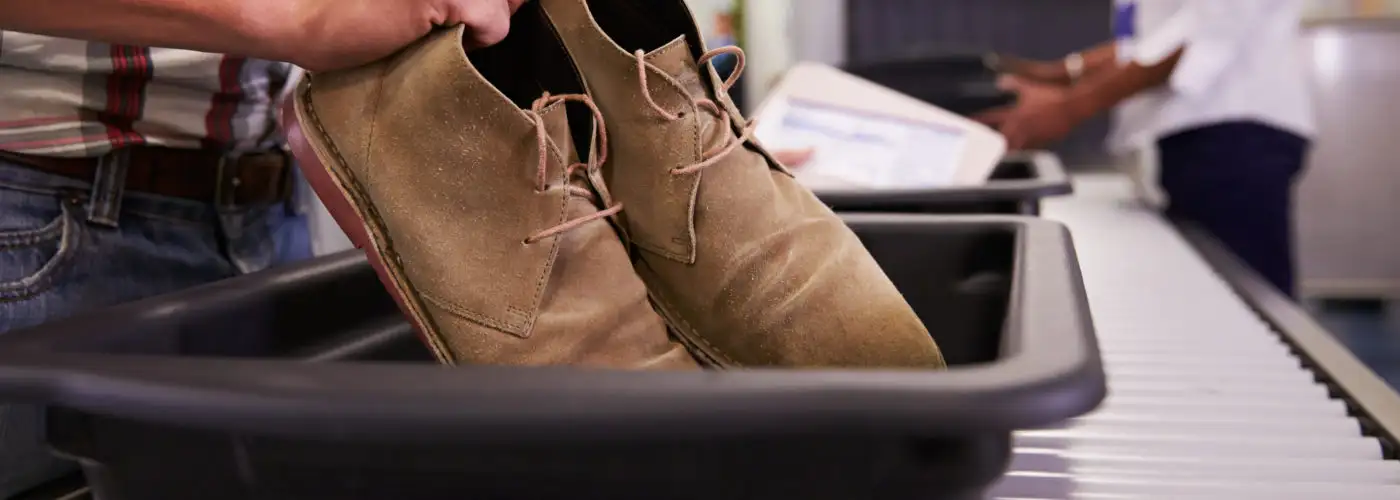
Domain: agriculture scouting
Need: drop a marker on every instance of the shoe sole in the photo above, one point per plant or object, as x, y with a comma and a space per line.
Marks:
325, 170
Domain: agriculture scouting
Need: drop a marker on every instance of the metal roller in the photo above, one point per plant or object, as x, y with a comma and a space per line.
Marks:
1042, 485
1221, 446
1119, 372
1215, 468
1276, 425
1226, 389
1206, 401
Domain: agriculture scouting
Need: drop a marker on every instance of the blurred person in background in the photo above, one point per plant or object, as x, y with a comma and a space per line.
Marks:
128, 171
1217, 87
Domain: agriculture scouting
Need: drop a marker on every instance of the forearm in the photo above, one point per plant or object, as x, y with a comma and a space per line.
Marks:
1098, 58
1114, 84
244, 27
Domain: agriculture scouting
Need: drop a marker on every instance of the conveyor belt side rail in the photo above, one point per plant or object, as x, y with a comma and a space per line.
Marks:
1369, 398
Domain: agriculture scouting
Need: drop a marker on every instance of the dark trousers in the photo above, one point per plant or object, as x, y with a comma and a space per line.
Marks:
1236, 181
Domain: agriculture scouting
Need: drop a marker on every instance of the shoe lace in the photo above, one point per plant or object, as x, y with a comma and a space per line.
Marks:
718, 153
599, 138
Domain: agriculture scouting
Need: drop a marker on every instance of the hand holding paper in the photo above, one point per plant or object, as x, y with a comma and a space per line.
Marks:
840, 132
1041, 115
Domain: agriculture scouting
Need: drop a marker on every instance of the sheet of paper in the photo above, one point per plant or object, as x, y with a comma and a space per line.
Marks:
854, 148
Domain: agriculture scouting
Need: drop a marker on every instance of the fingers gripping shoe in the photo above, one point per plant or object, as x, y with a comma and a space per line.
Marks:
746, 264
458, 179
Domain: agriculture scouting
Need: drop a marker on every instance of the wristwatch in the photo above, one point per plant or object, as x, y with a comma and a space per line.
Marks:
1074, 66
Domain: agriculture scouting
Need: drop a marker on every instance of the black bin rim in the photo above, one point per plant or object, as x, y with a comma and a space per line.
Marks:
1049, 179
1044, 378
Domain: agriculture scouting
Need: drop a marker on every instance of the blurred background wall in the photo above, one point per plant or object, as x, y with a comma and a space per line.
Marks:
778, 33
1353, 8
1346, 249
1348, 246
880, 29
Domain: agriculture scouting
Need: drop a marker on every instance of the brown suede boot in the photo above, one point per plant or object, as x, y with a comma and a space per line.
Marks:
748, 266
460, 181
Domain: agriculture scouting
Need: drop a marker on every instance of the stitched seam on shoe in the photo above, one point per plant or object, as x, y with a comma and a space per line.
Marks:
457, 310
522, 329
694, 336
436, 343
693, 191
527, 330
374, 112
697, 132
661, 251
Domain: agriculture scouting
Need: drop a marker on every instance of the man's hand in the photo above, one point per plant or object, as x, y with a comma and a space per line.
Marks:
1042, 114
793, 158
1030, 70
343, 33
316, 34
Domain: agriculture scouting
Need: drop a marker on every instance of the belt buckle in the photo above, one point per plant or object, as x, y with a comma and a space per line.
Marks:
229, 180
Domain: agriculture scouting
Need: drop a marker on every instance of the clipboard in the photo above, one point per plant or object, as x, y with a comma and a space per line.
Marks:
865, 136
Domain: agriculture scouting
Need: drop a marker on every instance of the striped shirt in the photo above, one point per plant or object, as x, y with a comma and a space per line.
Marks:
62, 97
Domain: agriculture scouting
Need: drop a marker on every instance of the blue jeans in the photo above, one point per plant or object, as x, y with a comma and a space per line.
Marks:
68, 246
1236, 181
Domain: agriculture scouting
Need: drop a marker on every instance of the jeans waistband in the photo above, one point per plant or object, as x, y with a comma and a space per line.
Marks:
20, 178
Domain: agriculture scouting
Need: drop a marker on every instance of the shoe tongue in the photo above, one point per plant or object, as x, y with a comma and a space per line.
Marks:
560, 132
557, 127
677, 60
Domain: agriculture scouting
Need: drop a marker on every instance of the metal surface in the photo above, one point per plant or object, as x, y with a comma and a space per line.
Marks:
1017, 186
883, 28
1350, 185
1209, 396
1368, 396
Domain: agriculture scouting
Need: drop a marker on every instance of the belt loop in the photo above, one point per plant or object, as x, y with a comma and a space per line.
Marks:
289, 192
227, 182
108, 188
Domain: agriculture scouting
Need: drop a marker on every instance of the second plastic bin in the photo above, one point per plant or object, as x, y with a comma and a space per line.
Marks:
258, 388
960, 82
1016, 187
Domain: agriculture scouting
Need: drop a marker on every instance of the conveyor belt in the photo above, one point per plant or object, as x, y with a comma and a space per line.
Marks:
1207, 399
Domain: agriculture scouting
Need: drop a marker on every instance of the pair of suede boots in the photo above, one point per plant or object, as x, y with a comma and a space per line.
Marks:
585, 193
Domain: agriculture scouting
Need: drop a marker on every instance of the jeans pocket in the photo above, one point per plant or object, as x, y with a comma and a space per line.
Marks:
38, 239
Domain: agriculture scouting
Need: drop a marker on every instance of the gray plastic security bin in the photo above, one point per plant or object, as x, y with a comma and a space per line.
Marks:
960, 82
305, 383
1016, 187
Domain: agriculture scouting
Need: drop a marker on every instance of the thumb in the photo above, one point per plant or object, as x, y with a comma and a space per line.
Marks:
1015, 135
793, 158
487, 22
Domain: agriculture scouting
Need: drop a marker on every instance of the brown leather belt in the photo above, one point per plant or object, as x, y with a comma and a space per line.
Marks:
255, 178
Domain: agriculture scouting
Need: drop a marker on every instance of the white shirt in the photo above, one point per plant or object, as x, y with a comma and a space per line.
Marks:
1244, 61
